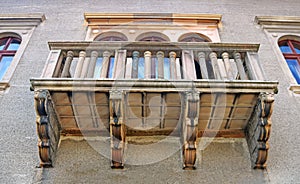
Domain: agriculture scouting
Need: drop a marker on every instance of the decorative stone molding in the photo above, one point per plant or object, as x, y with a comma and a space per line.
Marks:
117, 128
258, 130
48, 128
135, 24
190, 110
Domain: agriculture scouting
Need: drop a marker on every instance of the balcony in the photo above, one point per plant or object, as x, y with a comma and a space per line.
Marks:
121, 89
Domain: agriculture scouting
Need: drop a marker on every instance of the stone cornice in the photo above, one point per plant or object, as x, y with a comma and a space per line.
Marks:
279, 23
21, 20
94, 18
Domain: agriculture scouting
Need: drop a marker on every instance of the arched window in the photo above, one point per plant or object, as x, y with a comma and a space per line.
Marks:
291, 52
152, 37
193, 37
111, 36
8, 48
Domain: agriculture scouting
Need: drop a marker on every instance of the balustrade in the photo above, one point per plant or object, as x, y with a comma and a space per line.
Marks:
207, 61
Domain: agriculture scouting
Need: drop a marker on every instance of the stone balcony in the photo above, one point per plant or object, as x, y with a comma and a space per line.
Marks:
121, 89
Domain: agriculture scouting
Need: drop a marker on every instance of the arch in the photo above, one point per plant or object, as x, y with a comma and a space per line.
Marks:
111, 36
152, 37
193, 37
290, 48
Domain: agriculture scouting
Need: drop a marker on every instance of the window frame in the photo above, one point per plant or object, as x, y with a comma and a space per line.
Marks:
22, 27
278, 28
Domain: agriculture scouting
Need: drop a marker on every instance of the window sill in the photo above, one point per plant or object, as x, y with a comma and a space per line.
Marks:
295, 88
3, 85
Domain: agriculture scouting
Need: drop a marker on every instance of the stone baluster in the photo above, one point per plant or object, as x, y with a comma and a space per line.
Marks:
91, 70
147, 56
202, 64
105, 64
228, 68
214, 62
160, 59
135, 64
173, 72
239, 65
66, 69
79, 66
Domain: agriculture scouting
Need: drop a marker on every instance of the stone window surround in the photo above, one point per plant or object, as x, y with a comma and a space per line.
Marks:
136, 24
276, 28
23, 25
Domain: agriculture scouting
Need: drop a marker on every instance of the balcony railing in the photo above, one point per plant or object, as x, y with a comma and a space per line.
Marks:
144, 60
145, 88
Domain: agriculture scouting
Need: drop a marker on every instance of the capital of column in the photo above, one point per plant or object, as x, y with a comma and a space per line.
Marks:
106, 54
70, 54
213, 55
172, 54
147, 54
160, 54
135, 54
225, 55
94, 54
82, 54
201, 54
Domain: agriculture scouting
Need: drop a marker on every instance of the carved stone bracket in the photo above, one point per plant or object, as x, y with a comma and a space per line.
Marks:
258, 131
48, 128
117, 128
190, 110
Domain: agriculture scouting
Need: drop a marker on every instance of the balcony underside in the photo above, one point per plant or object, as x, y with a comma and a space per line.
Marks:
153, 107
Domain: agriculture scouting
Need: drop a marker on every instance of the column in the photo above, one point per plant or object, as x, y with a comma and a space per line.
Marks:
147, 69
160, 67
66, 69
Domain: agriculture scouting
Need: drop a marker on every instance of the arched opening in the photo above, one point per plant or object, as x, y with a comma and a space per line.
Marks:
9, 44
290, 48
111, 36
193, 37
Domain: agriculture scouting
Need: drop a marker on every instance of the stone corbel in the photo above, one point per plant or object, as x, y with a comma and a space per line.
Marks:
117, 128
48, 128
258, 131
190, 111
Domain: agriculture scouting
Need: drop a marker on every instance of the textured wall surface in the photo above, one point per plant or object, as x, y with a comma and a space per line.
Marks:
223, 160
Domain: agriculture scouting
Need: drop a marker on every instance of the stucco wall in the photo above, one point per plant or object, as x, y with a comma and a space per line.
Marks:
65, 21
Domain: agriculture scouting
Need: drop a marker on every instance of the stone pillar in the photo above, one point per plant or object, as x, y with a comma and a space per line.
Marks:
228, 68
202, 64
105, 64
173, 72
160, 67
239, 65
66, 69
214, 63
135, 64
79, 66
147, 73
91, 70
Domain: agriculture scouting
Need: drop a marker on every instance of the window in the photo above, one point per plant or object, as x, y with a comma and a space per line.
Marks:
283, 33
8, 49
15, 32
291, 52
